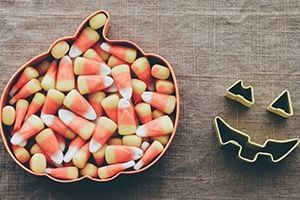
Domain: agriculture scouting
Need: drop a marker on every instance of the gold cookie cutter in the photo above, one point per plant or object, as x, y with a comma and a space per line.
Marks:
282, 105
241, 93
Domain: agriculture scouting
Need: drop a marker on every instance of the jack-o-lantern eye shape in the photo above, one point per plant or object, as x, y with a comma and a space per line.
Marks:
238, 92
90, 107
282, 105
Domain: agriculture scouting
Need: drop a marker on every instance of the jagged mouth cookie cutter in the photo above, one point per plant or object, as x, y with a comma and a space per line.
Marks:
241, 93
282, 105
248, 151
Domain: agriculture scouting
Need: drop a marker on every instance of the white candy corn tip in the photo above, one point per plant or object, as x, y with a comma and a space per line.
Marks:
108, 81
104, 69
47, 119
23, 144
58, 157
105, 46
126, 93
16, 139
123, 103
70, 154
12, 92
62, 146
74, 51
141, 131
112, 88
90, 114
145, 145
66, 116
137, 153
128, 164
66, 59
48, 170
147, 96
138, 165
94, 146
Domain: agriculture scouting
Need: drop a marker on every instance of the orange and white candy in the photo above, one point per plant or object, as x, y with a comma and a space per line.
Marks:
79, 125
157, 127
27, 90
28, 74
35, 104
43, 67
111, 170
122, 153
89, 170
154, 150
141, 67
132, 140
112, 89
105, 128
74, 147
162, 139
143, 111
160, 72
156, 114
38, 163
163, 102
87, 38
65, 79
21, 109
95, 100
114, 141
60, 49
49, 78
85, 66
54, 99
65, 173
93, 55
8, 115
93, 83
21, 153
164, 86
122, 77
97, 21
124, 53
30, 127
126, 118
103, 54
110, 106
82, 156
79, 105
47, 140
114, 61
61, 141
99, 156
145, 145
138, 88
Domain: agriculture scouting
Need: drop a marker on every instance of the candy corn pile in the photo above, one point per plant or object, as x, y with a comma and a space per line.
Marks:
90, 108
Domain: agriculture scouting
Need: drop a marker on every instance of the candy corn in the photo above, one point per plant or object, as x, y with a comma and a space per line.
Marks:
97, 21
111, 170
21, 109
66, 173
145, 145
87, 38
89, 170
81, 157
156, 114
122, 153
162, 102
49, 79
124, 53
93, 83
112, 89
81, 126
21, 153
122, 78
58, 126
29, 128
142, 69
43, 67
95, 100
78, 104
65, 80
84, 66
38, 163
110, 106
99, 156
35, 104
105, 128
61, 141
28, 74
28, 89
143, 111
114, 141
164, 86
154, 150
126, 118
74, 147
8, 115
162, 139
48, 142
93, 55
60, 49
157, 127
114, 61
53, 101
132, 140
138, 88
160, 72
103, 54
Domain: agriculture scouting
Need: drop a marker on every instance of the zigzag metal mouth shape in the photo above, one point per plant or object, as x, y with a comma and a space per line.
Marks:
248, 151
152, 57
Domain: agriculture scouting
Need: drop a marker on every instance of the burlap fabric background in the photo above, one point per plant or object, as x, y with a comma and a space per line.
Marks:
211, 44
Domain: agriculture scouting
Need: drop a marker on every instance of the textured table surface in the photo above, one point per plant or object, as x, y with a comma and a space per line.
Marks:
211, 44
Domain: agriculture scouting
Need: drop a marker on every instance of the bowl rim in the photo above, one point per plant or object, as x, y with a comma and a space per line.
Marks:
73, 37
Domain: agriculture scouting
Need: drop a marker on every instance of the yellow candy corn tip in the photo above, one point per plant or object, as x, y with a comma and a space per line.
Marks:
94, 146
74, 51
